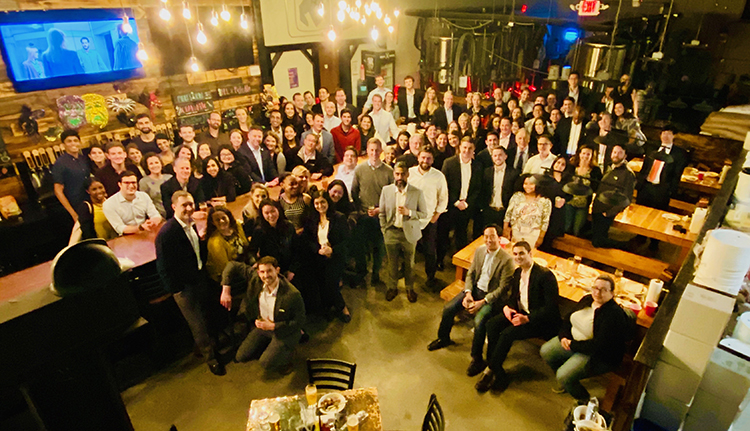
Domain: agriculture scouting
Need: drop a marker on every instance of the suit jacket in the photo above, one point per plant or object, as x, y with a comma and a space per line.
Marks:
403, 108
175, 258
319, 164
269, 167
498, 289
329, 149
289, 310
353, 109
440, 117
562, 135
584, 96
452, 172
414, 202
615, 136
488, 185
671, 173
543, 295
169, 187
512, 150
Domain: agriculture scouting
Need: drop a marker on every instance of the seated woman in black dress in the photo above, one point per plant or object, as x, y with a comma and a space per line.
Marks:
218, 185
234, 166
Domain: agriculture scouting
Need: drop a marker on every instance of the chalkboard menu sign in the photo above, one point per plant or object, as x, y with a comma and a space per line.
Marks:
194, 108
193, 96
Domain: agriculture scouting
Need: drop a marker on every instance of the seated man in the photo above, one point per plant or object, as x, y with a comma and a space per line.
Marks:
276, 309
486, 284
130, 211
621, 180
311, 158
531, 312
591, 341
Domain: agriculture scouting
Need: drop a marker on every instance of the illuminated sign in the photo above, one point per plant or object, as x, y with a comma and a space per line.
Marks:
589, 7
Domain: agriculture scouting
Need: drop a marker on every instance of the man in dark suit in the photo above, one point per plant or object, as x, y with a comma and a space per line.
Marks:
486, 284
447, 113
484, 157
182, 180
342, 105
464, 178
660, 175
275, 310
519, 153
180, 262
573, 89
262, 167
531, 312
323, 96
618, 178
575, 124
497, 188
409, 101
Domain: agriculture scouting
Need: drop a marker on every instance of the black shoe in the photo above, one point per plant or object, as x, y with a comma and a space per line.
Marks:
475, 367
346, 318
216, 367
411, 295
439, 344
485, 383
500, 384
390, 294
440, 266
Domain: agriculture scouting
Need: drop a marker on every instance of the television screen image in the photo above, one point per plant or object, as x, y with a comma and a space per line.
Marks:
59, 52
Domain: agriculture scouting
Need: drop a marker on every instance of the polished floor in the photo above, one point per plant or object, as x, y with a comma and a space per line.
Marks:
388, 342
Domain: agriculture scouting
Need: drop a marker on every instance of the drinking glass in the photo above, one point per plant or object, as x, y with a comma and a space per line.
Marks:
311, 392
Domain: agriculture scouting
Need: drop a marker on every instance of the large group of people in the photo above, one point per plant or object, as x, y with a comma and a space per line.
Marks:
472, 170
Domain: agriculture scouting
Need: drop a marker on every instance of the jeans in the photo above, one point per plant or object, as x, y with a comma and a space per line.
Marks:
369, 237
571, 367
429, 246
273, 353
575, 219
453, 307
396, 246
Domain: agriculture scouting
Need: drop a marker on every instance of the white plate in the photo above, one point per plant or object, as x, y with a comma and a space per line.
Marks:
339, 402
671, 217
690, 178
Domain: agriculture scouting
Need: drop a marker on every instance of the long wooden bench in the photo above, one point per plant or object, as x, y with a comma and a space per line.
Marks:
645, 266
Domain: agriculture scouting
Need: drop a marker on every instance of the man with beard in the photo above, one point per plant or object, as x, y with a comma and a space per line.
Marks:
146, 141
213, 136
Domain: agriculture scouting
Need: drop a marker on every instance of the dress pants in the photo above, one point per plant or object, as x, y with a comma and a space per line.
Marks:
571, 367
273, 353
192, 303
369, 238
451, 310
600, 232
429, 248
396, 246
500, 337
455, 220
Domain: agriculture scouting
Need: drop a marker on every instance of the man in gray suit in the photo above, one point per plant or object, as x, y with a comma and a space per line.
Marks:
401, 208
486, 283
275, 310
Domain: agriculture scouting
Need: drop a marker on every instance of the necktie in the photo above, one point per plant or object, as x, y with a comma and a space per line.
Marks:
519, 162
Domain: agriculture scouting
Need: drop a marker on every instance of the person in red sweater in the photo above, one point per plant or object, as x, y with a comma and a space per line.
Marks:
344, 135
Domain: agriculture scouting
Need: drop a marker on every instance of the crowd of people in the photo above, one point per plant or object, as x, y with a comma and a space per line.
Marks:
466, 170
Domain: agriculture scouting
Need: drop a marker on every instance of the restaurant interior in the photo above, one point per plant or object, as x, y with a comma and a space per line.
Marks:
92, 340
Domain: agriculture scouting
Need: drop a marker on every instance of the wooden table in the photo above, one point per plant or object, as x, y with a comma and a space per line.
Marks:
289, 409
708, 185
462, 260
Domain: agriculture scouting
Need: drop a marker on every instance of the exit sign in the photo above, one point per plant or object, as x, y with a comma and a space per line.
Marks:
589, 7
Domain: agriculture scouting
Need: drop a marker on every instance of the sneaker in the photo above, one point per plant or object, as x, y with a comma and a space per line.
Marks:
475, 367
439, 344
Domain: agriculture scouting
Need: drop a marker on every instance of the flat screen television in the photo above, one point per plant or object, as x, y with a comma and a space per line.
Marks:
66, 48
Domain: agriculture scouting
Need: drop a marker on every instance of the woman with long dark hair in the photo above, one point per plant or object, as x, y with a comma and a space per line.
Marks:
402, 143
217, 185
586, 171
233, 166
366, 132
290, 117
273, 236
555, 180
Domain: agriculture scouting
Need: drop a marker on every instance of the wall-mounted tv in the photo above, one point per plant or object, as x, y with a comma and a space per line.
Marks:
66, 48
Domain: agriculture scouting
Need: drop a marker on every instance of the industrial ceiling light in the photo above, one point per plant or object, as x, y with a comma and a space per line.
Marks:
126, 27
193, 64
201, 36
243, 22
186, 10
225, 15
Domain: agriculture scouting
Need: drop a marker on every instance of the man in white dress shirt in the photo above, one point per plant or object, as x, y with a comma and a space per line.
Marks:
130, 211
345, 172
542, 161
330, 120
435, 190
379, 90
382, 120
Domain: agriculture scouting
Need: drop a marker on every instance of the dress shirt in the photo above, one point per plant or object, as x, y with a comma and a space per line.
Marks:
497, 188
449, 115
347, 176
384, 124
484, 277
267, 301
410, 105
434, 188
523, 289
304, 156
465, 179
654, 176
194, 240
575, 94
330, 122
121, 213
504, 142
575, 135
259, 159
535, 165
400, 201
380, 91
522, 157
193, 146
323, 232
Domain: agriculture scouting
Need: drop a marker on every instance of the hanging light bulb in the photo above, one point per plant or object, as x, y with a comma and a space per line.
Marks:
164, 1
387, 20
214, 18
374, 6
141, 54
331, 34
225, 15
342, 4
396, 12
368, 11
194, 64
243, 22
358, 3
379, 14
364, 21
341, 15
374, 33
356, 15
321, 10
201, 37
186, 11
390, 29
164, 14
126, 27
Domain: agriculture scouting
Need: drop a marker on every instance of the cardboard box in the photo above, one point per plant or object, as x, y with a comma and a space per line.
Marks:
686, 353
702, 314
669, 381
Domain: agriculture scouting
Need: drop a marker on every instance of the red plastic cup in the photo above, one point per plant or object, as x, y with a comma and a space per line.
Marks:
650, 308
635, 307
700, 176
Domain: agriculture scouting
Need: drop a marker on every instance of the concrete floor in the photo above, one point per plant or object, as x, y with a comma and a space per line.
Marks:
388, 341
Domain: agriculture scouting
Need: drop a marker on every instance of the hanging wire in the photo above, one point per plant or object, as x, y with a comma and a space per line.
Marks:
617, 21
664, 33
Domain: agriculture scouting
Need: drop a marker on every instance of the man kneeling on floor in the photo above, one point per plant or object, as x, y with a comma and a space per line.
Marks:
277, 310
486, 284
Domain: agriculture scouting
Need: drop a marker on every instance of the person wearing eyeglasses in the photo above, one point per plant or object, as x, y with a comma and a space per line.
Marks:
130, 211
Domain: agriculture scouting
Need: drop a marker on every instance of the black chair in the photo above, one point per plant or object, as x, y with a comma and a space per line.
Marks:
331, 374
434, 420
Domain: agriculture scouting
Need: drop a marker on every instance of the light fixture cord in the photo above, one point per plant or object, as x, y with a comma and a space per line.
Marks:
666, 24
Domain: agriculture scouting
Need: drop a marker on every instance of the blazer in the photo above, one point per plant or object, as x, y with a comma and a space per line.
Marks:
452, 172
613, 328
513, 149
402, 106
289, 310
488, 185
543, 295
329, 149
414, 202
562, 135
319, 164
175, 258
351, 108
502, 271
440, 118
269, 167
584, 96
338, 234
169, 187
671, 173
